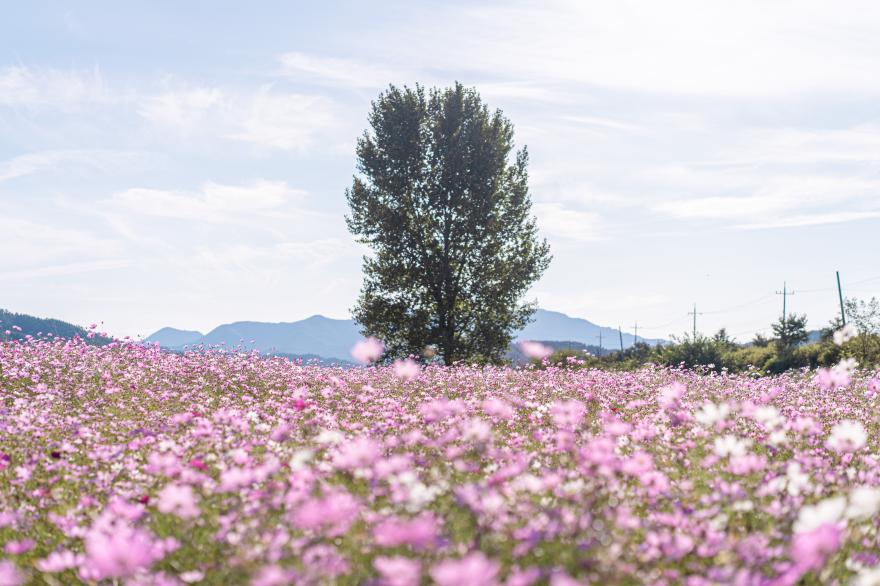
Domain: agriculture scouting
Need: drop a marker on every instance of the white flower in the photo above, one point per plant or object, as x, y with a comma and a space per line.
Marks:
812, 517
864, 502
846, 366
710, 413
329, 436
868, 577
797, 479
300, 459
777, 438
845, 334
847, 436
730, 445
768, 416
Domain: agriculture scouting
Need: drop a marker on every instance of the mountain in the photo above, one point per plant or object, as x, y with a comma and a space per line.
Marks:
333, 338
174, 338
315, 336
20, 325
553, 325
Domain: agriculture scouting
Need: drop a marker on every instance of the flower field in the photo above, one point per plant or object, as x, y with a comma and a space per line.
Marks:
123, 464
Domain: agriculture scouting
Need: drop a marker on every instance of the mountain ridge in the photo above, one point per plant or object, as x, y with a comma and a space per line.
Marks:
331, 338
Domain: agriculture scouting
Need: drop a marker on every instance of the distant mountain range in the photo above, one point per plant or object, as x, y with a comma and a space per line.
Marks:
333, 338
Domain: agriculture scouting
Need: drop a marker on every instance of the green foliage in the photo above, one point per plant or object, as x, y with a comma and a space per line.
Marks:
42, 328
791, 331
690, 351
444, 204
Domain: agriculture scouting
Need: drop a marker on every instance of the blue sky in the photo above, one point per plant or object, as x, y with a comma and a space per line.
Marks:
184, 163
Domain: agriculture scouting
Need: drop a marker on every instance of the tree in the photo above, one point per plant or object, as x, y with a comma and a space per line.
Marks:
791, 331
760, 341
723, 339
444, 204
865, 315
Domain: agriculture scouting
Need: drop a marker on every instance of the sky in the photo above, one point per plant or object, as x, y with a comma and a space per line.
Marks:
184, 164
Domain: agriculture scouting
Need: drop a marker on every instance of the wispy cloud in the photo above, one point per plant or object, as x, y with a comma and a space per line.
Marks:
560, 222
809, 220
38, 87
72, 268
30, 163
284, 121
214, 202
345, 72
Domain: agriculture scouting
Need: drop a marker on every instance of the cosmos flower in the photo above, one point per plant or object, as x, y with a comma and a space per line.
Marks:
474, 569
535, 350
847, 436
367, 351
845, 334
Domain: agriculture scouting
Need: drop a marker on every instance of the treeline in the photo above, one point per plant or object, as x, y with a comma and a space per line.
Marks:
787, 348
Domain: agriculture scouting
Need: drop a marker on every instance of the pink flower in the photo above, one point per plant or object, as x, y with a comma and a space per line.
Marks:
567, 414
59, 561
272, 575
474, 569
406, 369
9, 574
178, 500
367, 351
19, 547
497, 408
535, 350
331, 515
120, 553
398, 571
420, 532
357, 454
809, 550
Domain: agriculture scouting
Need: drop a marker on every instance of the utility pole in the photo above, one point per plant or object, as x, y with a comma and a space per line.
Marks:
840, 296
785, 293
695, 314
600, 341
636, 333
620, 332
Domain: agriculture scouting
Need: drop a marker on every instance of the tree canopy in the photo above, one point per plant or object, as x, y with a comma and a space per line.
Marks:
443, 201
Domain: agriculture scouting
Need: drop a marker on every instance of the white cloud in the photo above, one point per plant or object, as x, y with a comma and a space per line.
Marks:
284, 121
345, 72
30, 163
181, 110
72, 268
26, 243
212, 203
809, 220
28, 87
557, 221
698, 47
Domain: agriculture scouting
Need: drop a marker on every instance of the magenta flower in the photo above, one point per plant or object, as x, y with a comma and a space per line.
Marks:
118, 554
178, 500
9, 574
398, 571
474, 569
419, 533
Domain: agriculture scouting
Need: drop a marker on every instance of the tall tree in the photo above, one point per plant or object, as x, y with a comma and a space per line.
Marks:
443, 201
791, 331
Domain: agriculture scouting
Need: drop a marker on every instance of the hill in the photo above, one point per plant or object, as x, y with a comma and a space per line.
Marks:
16, 326
553, 325
333, 338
